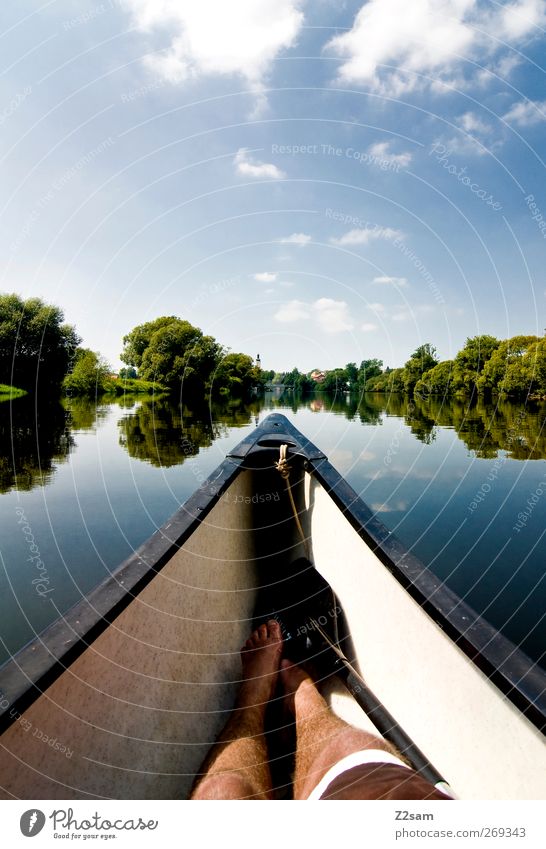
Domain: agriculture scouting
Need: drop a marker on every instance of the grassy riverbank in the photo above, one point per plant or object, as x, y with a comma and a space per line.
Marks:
7, 392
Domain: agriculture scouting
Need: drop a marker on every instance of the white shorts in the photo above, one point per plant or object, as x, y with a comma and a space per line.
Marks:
366, 756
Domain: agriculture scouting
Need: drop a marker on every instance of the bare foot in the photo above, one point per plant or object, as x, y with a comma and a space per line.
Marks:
261, 657
292, 677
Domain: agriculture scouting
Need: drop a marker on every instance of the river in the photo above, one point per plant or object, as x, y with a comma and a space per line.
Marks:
83, 484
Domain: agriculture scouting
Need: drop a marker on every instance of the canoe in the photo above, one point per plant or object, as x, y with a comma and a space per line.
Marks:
123, 695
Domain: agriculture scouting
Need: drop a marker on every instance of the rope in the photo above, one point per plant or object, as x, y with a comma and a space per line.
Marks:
284, 470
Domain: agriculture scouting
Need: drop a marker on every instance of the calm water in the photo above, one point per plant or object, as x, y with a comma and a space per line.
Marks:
462, 485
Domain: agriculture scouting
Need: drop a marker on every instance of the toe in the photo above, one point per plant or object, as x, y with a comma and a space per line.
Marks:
262, 632
274, 629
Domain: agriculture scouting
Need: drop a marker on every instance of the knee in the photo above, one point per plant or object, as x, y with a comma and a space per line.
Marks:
348, 741
226, 786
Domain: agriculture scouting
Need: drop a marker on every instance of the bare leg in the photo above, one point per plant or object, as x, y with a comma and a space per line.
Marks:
322, 738
237, 765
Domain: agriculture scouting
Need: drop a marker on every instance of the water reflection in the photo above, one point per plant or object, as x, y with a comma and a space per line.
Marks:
158, 432
165, 434
84, 413
487, 428
33, 439
161, 432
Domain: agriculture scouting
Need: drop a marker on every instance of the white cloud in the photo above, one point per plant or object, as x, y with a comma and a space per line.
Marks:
365, 235
517, 19
472, 123
477, 137
368, 327
300, 239
431, 38
392, 281
210, 37
527, 112
382, 151
332, 316
265, 277
377, 307
292, 311
249, 168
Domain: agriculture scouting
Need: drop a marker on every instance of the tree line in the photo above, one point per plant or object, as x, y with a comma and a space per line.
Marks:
485, 366
38, 351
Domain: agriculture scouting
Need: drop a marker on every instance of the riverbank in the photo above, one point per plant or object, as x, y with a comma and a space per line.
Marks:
7, 392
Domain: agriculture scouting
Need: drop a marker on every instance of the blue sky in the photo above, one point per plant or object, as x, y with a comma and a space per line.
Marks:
320, 182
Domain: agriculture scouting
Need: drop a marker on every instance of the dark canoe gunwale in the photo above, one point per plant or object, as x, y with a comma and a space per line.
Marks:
34, 668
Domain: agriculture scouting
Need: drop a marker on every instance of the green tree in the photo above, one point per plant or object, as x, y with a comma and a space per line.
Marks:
138, 340
236, 375
437, 380
423, 358
517, 368
298, 381
35, 346
369, 369
174, 353
89, 375
129, 373
335, 381
470, 362
351, 371
391, 380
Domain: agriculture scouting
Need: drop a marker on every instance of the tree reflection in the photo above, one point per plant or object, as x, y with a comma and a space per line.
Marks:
84, 413
33, 439
165, 434
485, 427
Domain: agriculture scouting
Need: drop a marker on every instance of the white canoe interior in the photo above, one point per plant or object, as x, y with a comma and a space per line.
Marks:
135, 713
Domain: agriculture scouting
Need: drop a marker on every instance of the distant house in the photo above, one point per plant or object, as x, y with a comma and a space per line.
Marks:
317, 376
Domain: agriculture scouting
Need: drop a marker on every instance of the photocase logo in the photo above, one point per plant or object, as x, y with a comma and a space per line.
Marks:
32, 822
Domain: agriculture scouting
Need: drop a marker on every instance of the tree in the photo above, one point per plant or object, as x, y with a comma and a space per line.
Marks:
335, 381
174, 353
391, 380
437, 380
236, 375
89, 374
470, 362
129, 373
367, 370
298, 381
36, 348
517, 367
351, 371
423, 358
138, 340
